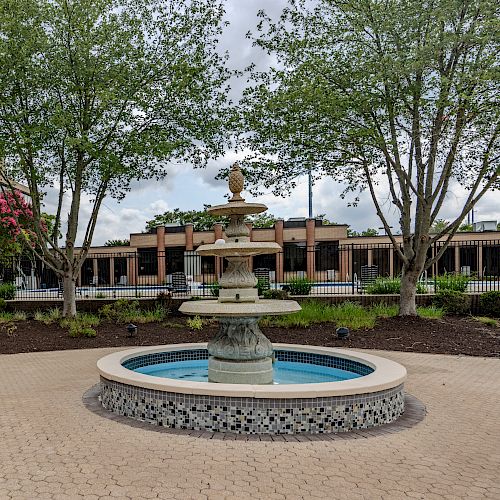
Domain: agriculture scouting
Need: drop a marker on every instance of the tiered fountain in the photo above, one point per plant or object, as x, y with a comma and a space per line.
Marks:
240, 353
250, 388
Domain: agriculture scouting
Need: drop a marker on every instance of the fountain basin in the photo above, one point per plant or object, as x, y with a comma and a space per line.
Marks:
373, 399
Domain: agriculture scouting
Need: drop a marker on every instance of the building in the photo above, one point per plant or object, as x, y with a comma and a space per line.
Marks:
321, 252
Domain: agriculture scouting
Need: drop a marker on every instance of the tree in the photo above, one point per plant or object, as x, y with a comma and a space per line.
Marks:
367, 232
97, 93
439, 225
404, 92
117, 243
202, 220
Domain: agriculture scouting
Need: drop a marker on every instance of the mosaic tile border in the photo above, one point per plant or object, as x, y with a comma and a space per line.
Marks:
281, 355
334, 414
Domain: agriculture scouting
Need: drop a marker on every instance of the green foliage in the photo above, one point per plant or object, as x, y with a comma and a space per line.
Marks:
367, 232
405, 91
202, 220
214, 288
128, 311
430, 312
9, 317
382, 310
490, 303
100, 295
7, 291
262, 286
76, 329
195, 323
298, 286
120, 311
486, 321
3, 304
452, 302
109, 91
117, 243
275, 294
349, 314
49, 317
387, 286
452, 281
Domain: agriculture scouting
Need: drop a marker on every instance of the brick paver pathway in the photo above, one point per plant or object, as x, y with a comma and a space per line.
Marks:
52, 446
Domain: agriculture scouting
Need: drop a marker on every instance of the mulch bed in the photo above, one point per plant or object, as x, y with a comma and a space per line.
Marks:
451, 335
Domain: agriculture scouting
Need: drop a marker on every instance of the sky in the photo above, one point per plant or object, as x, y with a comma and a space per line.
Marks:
189, 189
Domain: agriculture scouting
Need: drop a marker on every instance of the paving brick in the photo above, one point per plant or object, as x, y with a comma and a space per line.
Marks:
53, 446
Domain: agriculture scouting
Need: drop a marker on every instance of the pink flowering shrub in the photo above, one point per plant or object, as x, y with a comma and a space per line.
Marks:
16, 218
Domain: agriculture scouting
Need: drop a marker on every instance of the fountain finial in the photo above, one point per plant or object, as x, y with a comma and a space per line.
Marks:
236, 182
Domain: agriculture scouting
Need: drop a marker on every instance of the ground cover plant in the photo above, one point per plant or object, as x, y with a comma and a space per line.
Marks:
452, 302
7, 291
452, 281
387, 286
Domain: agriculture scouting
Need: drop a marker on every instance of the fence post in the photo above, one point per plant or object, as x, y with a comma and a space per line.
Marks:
351, 257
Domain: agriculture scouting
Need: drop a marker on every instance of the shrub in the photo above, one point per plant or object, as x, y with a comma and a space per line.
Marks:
100, 295
388, 286
452, 302
120, 311
452, 281
3, 305
275, 294
299, 286
48, 317
262, 286
214, 288
7, 291
195, 323
77, 329
490, 303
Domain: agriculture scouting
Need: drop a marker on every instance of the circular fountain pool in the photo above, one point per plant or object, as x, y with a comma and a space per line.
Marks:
369, 392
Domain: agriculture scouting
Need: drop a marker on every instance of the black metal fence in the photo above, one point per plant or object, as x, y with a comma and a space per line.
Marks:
330, 269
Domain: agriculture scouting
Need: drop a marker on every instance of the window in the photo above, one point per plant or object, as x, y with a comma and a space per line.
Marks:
148, 261
175, 259
327, 255
295, 255
266, 261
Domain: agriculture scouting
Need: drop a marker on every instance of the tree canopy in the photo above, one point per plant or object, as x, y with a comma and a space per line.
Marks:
97, 93
398, 98
202, 220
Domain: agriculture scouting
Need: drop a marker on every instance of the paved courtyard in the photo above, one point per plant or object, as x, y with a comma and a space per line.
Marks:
52, 446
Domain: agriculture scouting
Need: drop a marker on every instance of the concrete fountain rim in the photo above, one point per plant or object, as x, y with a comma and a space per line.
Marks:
387, 374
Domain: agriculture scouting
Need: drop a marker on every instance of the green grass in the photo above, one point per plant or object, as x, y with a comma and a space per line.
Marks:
49, 317
431, 312
85, 320
7, 317
349, 314
487, 321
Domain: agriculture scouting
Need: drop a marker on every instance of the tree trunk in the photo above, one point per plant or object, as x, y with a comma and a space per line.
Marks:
407, 302
69, 296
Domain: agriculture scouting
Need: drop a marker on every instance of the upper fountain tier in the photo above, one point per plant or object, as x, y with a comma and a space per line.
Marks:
237, 243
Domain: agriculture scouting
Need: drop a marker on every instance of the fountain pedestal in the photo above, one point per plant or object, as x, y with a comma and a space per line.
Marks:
240, 353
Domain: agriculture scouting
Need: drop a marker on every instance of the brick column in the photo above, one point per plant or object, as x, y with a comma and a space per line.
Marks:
310, 244
280, 257
480, 260
132, 269
218, 261
188, 228
370, 257
160, 254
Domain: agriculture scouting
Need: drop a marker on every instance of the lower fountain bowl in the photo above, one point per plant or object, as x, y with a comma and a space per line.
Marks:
375, 397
